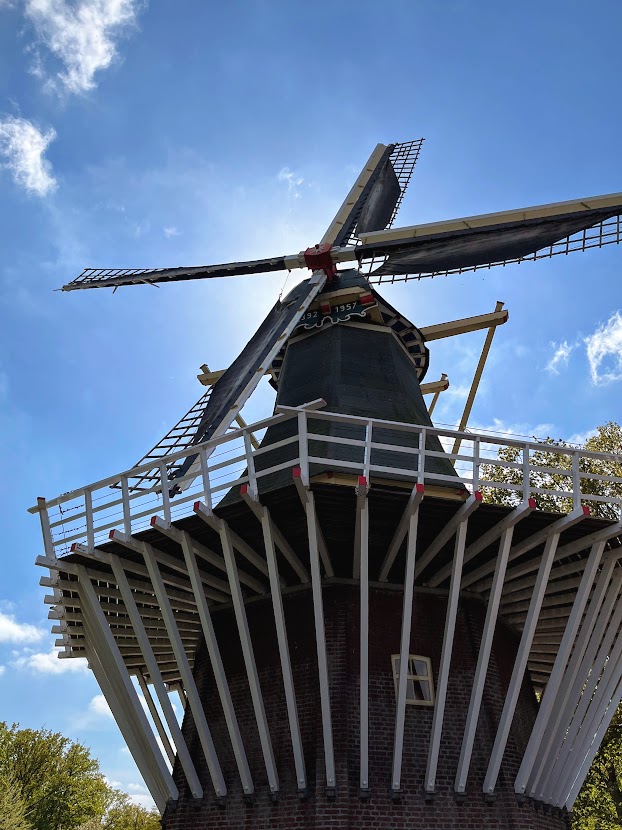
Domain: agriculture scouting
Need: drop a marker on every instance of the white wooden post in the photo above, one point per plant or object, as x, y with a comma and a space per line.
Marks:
217, 666
281, 635
536, 753
585, 664
194, 698
448, 641
520, 663
151, 664
483, 659
164, 483
320, 637
407, 613
249, 656
364, 647
155, 717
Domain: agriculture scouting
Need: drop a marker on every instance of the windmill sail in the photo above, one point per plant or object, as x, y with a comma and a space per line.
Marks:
378, 209
483, 241
115, 277
215, 411
375, 198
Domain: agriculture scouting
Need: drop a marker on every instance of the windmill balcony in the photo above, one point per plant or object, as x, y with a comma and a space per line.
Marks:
129, 501
320, 527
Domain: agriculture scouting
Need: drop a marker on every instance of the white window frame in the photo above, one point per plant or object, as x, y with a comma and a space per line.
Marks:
427, 678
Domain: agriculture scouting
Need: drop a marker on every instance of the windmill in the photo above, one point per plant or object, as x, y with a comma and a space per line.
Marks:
383, 565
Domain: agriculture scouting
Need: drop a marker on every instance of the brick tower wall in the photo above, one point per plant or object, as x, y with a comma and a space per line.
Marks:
347, 809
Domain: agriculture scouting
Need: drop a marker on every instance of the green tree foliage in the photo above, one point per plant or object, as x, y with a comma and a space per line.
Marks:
48, 782
60, 783
550, 474
122, 814
599, 803
12, 807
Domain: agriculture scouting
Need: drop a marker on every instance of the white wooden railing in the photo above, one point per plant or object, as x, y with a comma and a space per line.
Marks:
87, 515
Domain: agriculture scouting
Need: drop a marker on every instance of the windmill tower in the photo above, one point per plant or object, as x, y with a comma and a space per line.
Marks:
356, 637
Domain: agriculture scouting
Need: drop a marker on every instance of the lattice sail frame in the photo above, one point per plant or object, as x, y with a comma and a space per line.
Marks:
607, 232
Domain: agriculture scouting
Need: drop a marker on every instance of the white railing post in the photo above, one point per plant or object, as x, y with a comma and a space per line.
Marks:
576, 480
88, 512
476, 462
303, 447
250, 465
526, 481
207, 488
166, 500
421, 458
367, 457
127, 514
46, 532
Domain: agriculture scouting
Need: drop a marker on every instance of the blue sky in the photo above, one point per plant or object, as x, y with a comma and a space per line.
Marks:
144, 134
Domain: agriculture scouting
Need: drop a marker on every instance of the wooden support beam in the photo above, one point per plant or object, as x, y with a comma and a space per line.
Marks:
457, 520
407, 614
466, 324
468, 406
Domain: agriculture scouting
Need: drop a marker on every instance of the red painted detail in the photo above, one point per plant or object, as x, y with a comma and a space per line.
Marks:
362, 481
111, 534
532, 503
318, 258
420, 488
478, 495
196, 506
586, 510
366, 299
325, 308
73, 547
244, 489
297, 472
153, 521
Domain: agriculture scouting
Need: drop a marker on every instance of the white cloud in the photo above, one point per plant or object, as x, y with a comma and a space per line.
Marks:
171, 231
2, 670
81, 35
604, 351
581, 437
95, 716
560, 357
293, 180
142, 800
49, 663
99, 707
516, 430
22, 147
12, 631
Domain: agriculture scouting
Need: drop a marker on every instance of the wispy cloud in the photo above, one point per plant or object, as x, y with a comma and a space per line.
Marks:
292, 179
22, 147
99, 707
12, 631
604, 351
560, 357
96, 716
81, 35
171, 231
48, 663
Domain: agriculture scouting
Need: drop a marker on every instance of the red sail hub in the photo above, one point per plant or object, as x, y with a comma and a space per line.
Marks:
318, 258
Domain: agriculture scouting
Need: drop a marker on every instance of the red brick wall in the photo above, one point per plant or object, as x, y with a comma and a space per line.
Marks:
347, 810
